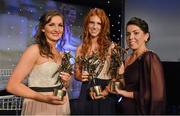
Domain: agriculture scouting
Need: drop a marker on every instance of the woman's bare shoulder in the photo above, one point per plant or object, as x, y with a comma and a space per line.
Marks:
78, 50
31, 52
34, 49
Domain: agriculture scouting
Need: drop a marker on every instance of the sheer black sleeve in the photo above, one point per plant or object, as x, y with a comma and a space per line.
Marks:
151, 97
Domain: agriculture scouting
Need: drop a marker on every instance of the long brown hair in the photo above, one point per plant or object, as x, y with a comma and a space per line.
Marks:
104, 36
40, 39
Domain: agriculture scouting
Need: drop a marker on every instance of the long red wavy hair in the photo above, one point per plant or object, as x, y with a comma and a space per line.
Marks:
104, 36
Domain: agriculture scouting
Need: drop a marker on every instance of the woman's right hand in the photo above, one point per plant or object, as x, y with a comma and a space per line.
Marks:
51, 99
84, 76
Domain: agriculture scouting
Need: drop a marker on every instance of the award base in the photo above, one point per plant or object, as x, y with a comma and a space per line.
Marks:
60, 93
97, 89
116, 84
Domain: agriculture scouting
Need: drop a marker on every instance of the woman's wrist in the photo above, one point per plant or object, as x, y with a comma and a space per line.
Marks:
128, 94
66, 84
107, 90
40, 97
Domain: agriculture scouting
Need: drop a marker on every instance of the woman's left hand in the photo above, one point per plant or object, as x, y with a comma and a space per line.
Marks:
124, 93
93, 95
65, 76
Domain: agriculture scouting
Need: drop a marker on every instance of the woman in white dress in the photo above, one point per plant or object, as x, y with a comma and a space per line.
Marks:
39, 62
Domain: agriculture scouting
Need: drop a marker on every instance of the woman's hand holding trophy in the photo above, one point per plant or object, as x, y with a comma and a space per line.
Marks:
86, 65
85, 75
98, 93
117, 69
65, 71
91, 67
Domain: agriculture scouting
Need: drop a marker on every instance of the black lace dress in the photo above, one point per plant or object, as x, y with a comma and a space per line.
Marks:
146, 79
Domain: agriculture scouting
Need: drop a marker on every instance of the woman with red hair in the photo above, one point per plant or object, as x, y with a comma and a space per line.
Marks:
96, 39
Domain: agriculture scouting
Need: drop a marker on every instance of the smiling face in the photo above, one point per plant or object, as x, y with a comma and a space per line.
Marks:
135, 37
94, 26
53, 30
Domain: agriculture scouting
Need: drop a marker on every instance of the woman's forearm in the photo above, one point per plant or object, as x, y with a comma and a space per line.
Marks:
24, 91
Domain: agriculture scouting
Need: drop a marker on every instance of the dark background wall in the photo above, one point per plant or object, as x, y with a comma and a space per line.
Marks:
163, 17
115, 11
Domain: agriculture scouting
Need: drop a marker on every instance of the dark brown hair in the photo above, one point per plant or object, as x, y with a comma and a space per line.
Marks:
140, 23
40, 39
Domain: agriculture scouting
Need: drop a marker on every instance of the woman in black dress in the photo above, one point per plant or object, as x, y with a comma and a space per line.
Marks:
144, 91
95, 40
